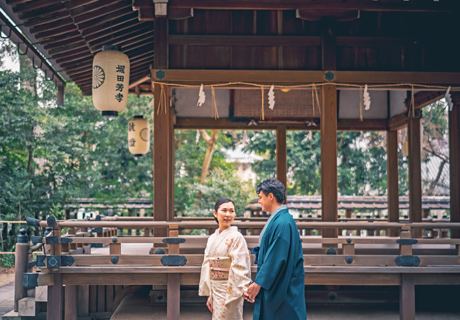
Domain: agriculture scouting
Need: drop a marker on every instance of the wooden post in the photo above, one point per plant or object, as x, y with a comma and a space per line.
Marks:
407, 297
83, 300
348, 213
20, 266
281, 154
405, 249
162, 132
172, 162
415, 172
454, 155
173, 295
348, 249
329, 157
61, 88
72, 246
70, 302
392, 180
115, 248
54, 304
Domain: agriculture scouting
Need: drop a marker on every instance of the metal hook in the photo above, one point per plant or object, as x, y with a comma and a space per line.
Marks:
27, 49
46, 76
9, 33
36, 67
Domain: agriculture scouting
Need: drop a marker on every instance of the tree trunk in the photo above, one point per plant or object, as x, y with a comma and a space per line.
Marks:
208, 157
434, 183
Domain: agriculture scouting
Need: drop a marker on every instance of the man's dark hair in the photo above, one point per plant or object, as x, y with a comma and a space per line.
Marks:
273, 186
220, 202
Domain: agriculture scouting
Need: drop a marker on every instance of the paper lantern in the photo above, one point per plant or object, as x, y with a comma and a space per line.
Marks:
110, 80
138, 136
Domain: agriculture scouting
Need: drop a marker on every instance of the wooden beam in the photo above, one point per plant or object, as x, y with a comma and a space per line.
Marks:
17, 37
199, 76
329, 157
454, 156
389, 5
365, 125
398, 122
291, 41
299, 124
281, 154
415, 172
424, 98
242, 40
393, 179
138, 82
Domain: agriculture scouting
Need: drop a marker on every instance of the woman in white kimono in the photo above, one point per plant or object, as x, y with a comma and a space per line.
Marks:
225, 274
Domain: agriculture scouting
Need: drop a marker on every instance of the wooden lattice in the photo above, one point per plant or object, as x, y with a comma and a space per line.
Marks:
296, 103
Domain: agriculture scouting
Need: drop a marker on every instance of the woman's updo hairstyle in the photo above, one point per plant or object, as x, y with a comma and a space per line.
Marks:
220, 202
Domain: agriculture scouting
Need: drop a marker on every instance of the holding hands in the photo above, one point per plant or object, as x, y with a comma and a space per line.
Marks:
252, 292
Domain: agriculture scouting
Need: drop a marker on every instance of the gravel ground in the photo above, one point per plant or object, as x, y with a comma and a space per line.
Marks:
6, 276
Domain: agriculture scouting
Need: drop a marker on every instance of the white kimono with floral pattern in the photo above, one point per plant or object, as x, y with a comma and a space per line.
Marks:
226, 295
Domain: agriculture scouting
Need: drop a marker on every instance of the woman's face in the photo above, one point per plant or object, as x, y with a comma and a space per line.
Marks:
225, 215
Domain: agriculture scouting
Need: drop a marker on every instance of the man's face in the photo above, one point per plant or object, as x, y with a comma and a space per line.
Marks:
265, 201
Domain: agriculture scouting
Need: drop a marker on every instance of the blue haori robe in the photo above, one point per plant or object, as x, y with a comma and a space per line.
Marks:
280, 271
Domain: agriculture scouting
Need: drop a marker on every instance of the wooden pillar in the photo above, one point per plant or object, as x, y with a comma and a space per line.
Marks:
415, 172
83, 300
172, 163
54, 304
329, 157
281, 154
61, 88
161, 132
20, 266
70, 302
392, 180
407, 297
348, 213
454, 155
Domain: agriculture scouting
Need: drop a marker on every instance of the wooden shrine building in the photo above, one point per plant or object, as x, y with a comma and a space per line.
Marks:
316, 59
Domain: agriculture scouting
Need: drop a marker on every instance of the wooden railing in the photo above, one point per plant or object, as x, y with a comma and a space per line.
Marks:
82, 259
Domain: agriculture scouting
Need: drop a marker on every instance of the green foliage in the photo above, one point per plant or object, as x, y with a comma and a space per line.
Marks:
361, 161
193, 198
50, 154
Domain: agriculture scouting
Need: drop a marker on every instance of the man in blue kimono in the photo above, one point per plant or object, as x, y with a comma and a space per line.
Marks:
279, 287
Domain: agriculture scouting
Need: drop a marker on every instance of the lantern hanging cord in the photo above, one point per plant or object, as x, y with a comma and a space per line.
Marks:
412, 101
317, 99
313, 101
262, 111
214, 104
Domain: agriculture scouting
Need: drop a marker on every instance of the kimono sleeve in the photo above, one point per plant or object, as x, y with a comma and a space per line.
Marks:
275, 259
240, 269
205, 280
